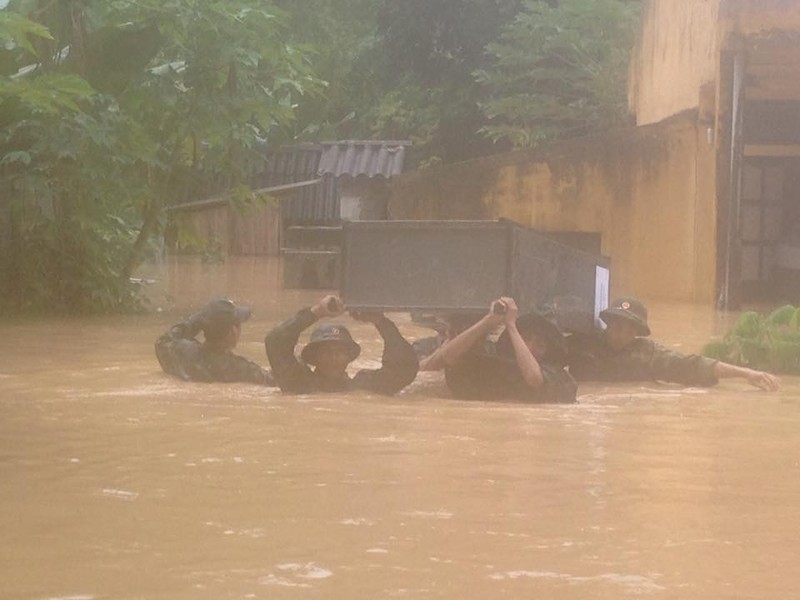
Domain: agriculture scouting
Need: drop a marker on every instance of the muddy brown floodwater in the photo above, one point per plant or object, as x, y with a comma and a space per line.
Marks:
119, 482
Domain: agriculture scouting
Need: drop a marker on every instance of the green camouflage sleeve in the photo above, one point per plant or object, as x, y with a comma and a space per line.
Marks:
399, 365
290, 374
686, 369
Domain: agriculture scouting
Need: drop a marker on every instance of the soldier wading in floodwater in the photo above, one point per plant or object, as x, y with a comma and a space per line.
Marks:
323, 362
526, 363
624, 352
183, 356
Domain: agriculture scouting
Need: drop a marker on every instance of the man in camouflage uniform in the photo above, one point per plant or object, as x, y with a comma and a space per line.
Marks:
526, 363
183, 356
624, 352
324, 360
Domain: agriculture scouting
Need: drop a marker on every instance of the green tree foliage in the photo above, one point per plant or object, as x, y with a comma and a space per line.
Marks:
430, 51
559, 70
420, 70
110, 111
767, 342
399, 70
341, 38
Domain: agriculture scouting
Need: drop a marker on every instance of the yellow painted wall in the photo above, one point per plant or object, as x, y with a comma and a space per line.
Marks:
754, 17
675, 64
675, 56
649, 191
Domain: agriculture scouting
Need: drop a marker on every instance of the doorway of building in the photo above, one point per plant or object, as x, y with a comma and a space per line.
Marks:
770, 228
768, 233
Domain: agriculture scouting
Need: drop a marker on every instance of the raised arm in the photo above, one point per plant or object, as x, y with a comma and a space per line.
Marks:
399, 364
529, 367
453, 351
188, 329
168, 344
291, 375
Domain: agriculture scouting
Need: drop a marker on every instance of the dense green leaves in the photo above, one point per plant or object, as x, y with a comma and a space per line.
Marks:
559, 71
399, 70
431, 51
49, 93
761, 341
16, 30
112, 110
465, 78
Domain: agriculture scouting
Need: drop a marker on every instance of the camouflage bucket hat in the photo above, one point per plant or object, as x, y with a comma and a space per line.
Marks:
329, 333
631, 310
222, 312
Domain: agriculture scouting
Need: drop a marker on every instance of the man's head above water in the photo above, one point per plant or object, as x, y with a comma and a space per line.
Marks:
221, 322
626, 319
538, 329
332, 348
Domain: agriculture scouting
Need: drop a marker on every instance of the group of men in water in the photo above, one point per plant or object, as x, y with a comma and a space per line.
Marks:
530, 360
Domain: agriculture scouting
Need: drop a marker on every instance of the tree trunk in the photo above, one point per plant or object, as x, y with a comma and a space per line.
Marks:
149, 228
152, 213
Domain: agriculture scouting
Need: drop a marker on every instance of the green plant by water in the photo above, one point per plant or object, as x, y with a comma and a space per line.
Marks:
763, 341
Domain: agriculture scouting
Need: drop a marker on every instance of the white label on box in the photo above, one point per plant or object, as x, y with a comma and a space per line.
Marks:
601, 290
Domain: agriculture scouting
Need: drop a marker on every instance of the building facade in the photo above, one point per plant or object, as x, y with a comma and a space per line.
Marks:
697, 202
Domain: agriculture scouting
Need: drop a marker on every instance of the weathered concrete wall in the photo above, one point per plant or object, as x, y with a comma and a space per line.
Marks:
649, 191
675, 59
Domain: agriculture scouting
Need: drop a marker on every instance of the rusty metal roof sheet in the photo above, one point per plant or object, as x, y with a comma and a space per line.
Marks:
369, 158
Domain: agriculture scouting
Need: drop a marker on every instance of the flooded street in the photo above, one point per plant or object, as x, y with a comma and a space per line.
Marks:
120, 482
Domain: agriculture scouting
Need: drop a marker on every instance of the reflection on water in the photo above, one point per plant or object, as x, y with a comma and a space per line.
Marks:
119, 482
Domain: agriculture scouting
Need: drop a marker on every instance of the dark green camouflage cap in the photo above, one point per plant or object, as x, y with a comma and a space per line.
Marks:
631, 310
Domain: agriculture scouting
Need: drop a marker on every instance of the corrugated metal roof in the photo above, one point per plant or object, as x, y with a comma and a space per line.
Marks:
370, 158
291, 164
301, 163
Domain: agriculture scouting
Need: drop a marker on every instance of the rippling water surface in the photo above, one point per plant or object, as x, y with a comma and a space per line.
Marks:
119, 482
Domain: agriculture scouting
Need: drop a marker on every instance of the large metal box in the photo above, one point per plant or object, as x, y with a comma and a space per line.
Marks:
443, 266
310, 269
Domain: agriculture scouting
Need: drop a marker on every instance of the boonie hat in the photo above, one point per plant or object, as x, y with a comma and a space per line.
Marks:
630, 309
219, 315
329, 333
222, 312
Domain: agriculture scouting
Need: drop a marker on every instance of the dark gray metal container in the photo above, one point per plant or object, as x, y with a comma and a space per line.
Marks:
446, 266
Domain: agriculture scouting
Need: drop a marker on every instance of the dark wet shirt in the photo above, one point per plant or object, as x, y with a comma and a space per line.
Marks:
181, 355
485, 375
590, 359
398, 367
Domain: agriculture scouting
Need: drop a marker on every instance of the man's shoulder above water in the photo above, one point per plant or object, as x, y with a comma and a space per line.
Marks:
591, 358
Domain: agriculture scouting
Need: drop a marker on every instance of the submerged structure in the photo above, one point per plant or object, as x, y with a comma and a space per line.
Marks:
462, 266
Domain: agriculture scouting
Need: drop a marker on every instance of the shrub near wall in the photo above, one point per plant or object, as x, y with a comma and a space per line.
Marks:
767, 342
